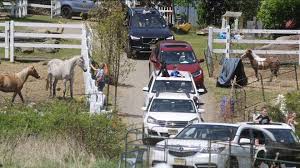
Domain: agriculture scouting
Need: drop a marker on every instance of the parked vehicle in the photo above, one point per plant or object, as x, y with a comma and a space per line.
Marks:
213, 145
71, 8
177, 55
146, 28
167, 114
182, 84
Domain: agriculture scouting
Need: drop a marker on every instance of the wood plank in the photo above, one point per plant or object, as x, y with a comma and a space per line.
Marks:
39, 6
48, 25
223, 41
285, 52
39, 45
45, 35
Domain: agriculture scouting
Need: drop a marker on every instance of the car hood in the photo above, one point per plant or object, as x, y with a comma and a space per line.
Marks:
188, 143
185, 67
172, 116
151, 32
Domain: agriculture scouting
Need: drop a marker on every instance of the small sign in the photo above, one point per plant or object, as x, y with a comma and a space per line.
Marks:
172, 131
179, 161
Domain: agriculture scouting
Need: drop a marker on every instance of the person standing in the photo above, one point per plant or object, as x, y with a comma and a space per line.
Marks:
263, 118
100, 76
292, 121
163, 70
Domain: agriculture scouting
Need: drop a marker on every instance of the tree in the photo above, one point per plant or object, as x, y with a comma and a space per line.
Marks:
274, 13
112, 37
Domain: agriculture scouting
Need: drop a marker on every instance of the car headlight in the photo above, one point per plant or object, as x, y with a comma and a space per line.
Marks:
160, 147
134, 38
215, 150
151, 120
170, 38
194, 121
197, 73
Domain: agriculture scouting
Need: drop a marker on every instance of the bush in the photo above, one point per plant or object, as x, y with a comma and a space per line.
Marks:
274, 13
100, 135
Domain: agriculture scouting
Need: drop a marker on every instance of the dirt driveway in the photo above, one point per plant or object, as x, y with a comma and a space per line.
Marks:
34, 90
131, 96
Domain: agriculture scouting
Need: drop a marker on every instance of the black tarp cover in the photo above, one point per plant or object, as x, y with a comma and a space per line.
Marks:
232, 67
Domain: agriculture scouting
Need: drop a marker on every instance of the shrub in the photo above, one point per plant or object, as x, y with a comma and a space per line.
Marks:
99, 135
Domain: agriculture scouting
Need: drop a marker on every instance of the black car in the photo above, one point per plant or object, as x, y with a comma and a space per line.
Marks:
146, 28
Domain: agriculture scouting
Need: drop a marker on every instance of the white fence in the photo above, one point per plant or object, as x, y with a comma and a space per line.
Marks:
94, 97
20, 8
167, 13
229, 40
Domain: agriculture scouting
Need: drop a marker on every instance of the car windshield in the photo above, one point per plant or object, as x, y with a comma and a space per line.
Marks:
147, 20
284, 135
173, 86
172, 105
208, 132
178, 57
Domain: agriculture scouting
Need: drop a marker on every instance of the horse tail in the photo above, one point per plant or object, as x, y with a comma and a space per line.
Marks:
47, 82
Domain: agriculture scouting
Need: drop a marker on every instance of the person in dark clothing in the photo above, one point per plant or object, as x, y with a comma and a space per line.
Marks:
163, 70
263, 118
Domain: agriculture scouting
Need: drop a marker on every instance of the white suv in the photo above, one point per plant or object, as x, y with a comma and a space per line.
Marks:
213, 145
168, 113
182, 84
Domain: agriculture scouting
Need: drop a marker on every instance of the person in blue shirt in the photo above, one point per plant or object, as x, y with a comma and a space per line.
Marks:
100, 76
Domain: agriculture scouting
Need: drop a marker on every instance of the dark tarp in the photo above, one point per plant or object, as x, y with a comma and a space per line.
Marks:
232, 67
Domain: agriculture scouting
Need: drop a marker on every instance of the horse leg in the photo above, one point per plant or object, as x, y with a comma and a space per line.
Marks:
14, 96
71, 87
21, 96
51, 85
65, 87
54, 87
256, 73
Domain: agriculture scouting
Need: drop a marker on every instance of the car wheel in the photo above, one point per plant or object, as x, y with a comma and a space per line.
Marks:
66, 12
84, 16
129, 51
232, 163
150, 69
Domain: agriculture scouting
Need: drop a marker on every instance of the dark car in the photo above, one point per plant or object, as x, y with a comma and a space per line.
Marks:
177, 54
146, 28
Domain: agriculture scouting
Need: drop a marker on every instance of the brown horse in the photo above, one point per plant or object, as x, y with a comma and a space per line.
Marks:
13, 82
259, 63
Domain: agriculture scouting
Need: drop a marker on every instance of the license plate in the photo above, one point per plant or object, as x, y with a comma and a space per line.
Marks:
179, 161
172, 131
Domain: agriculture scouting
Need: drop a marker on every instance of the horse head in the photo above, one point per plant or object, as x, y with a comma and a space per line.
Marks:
248, 53
80, 62
32, 71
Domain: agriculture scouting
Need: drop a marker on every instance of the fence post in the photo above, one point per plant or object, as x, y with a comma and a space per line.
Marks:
262, 87
7, 40
210, 50
51, 12
228, 41
12, 49
296, 76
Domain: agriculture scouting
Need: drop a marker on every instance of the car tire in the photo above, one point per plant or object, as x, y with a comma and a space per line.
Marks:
129, 51
232, 163
66, 12
150, 69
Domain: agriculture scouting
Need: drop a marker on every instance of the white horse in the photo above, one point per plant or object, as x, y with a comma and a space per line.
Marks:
63, 70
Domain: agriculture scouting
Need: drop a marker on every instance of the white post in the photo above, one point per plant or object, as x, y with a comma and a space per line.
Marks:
12, 41
6, 40
299, 51
223, 23
228, 42
210, 40
84, 53
236, 23
51, 15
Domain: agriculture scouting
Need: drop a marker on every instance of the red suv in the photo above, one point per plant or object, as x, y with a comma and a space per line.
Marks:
177, 54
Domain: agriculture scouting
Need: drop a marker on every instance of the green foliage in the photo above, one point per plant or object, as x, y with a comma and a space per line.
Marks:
273, 13
100, 135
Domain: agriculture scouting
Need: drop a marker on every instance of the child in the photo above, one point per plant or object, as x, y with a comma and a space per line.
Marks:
263, 118
292, 121
100, 76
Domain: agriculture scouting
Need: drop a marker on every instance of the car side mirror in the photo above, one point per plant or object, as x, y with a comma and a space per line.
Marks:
146, 89
144, 108
200, 60
245, 141
200, 91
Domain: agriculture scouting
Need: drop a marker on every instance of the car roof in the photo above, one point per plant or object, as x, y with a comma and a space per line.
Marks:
186, 76
140, 10
273, 125
170, 95
220, 124
175, 45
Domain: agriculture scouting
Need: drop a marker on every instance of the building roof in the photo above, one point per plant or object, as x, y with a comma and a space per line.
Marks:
232, 14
